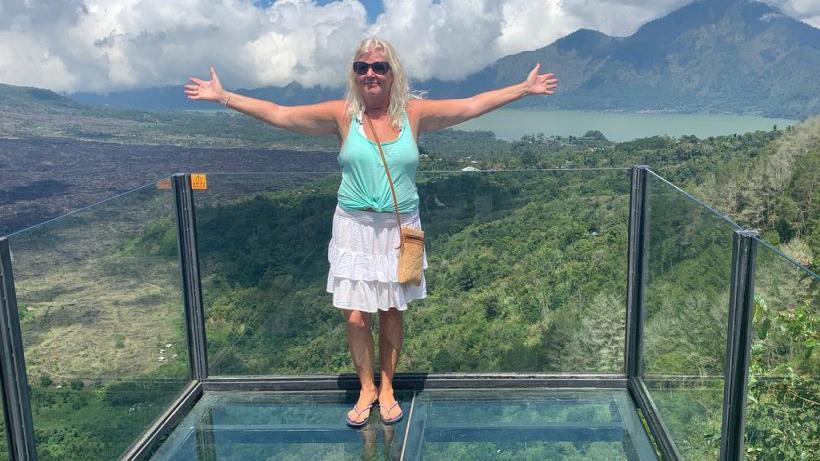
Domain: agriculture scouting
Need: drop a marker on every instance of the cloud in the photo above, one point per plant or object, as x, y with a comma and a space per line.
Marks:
446, 39
618, 17
29, 63
302, 41
109, 45
806, 10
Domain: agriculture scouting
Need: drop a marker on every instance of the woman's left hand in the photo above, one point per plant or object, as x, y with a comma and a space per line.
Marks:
540, 83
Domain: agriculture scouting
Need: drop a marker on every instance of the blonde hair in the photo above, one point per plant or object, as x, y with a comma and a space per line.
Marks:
399, 92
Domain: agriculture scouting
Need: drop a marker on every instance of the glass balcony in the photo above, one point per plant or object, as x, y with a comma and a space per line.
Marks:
571, 314
101, 323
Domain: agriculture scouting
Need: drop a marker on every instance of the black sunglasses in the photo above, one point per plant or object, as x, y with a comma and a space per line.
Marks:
380, 67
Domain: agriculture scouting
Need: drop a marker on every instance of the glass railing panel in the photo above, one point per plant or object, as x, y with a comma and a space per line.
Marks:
783, 400
526, 272
686, 313
101, 313
4, 443
262, 242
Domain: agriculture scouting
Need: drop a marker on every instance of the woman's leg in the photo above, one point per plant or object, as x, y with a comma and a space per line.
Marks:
391, 337
360, 343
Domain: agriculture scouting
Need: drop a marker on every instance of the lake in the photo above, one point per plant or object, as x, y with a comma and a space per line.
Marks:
511, 124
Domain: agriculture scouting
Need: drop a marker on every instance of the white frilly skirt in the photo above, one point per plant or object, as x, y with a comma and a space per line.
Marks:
364, 261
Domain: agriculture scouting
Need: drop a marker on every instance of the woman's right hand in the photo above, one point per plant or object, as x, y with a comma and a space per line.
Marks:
206, 90
311, 119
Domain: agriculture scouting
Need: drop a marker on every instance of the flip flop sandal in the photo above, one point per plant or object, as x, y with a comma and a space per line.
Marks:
394, 419
361, 423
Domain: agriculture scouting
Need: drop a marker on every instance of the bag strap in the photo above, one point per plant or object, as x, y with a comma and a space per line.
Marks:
386, 170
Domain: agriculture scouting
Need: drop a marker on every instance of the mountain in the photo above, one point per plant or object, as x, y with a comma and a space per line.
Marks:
39, 113
735, 56
20, 97
711, 55
172, 97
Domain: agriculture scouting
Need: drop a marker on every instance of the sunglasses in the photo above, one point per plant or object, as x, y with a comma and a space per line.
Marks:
380, 67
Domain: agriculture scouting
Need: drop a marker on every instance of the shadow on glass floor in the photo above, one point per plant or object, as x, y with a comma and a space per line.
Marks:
448, 425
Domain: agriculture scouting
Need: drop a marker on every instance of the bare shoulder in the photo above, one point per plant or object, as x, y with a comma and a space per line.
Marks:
335, 107
437, 114
415, 112
419, 109
338, 107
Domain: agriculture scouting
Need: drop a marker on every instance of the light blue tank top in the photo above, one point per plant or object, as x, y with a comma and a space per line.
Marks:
364, 182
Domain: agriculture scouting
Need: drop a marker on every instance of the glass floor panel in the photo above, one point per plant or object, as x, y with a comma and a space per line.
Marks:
497, 424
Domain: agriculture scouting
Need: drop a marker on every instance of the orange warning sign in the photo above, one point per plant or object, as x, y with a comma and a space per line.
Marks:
199, 181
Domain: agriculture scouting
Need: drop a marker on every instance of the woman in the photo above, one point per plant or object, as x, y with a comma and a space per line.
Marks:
365, 234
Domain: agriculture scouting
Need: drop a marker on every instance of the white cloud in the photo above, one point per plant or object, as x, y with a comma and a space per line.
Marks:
618, 17
806, 10
29, 63
447, 39
529, 24
304, 42
105, 45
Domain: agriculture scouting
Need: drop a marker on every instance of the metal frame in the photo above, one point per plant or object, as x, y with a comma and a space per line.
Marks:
191, 282
640, 394
205, 445
144, 446
418, 381
738, 344
638, 241
636, 270
13, 379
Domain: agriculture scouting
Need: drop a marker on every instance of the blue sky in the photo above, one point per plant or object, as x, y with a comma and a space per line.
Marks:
373, 7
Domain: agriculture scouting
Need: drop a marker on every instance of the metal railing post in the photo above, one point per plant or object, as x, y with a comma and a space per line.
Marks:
738, 344
636, 270
191, 283
13, 379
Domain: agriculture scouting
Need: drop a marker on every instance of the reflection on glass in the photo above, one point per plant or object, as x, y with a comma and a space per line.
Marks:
527, 273
443, 425
100, 308
516, 424
282, 426
783, 401
686, 312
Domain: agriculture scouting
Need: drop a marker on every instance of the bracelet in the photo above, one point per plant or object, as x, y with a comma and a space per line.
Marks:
227, 100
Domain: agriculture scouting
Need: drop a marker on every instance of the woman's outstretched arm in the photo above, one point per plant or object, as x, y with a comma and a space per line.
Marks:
437, 114
311, 119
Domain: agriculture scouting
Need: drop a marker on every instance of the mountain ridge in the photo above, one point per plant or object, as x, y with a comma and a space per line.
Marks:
708, 56
735, 56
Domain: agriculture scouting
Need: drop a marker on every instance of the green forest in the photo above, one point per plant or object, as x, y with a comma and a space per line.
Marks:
527, 273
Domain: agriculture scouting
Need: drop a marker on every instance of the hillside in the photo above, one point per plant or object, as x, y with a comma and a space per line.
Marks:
34, 99
35, 112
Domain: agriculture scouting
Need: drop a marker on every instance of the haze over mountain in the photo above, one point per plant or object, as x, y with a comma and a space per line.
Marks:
708, 56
